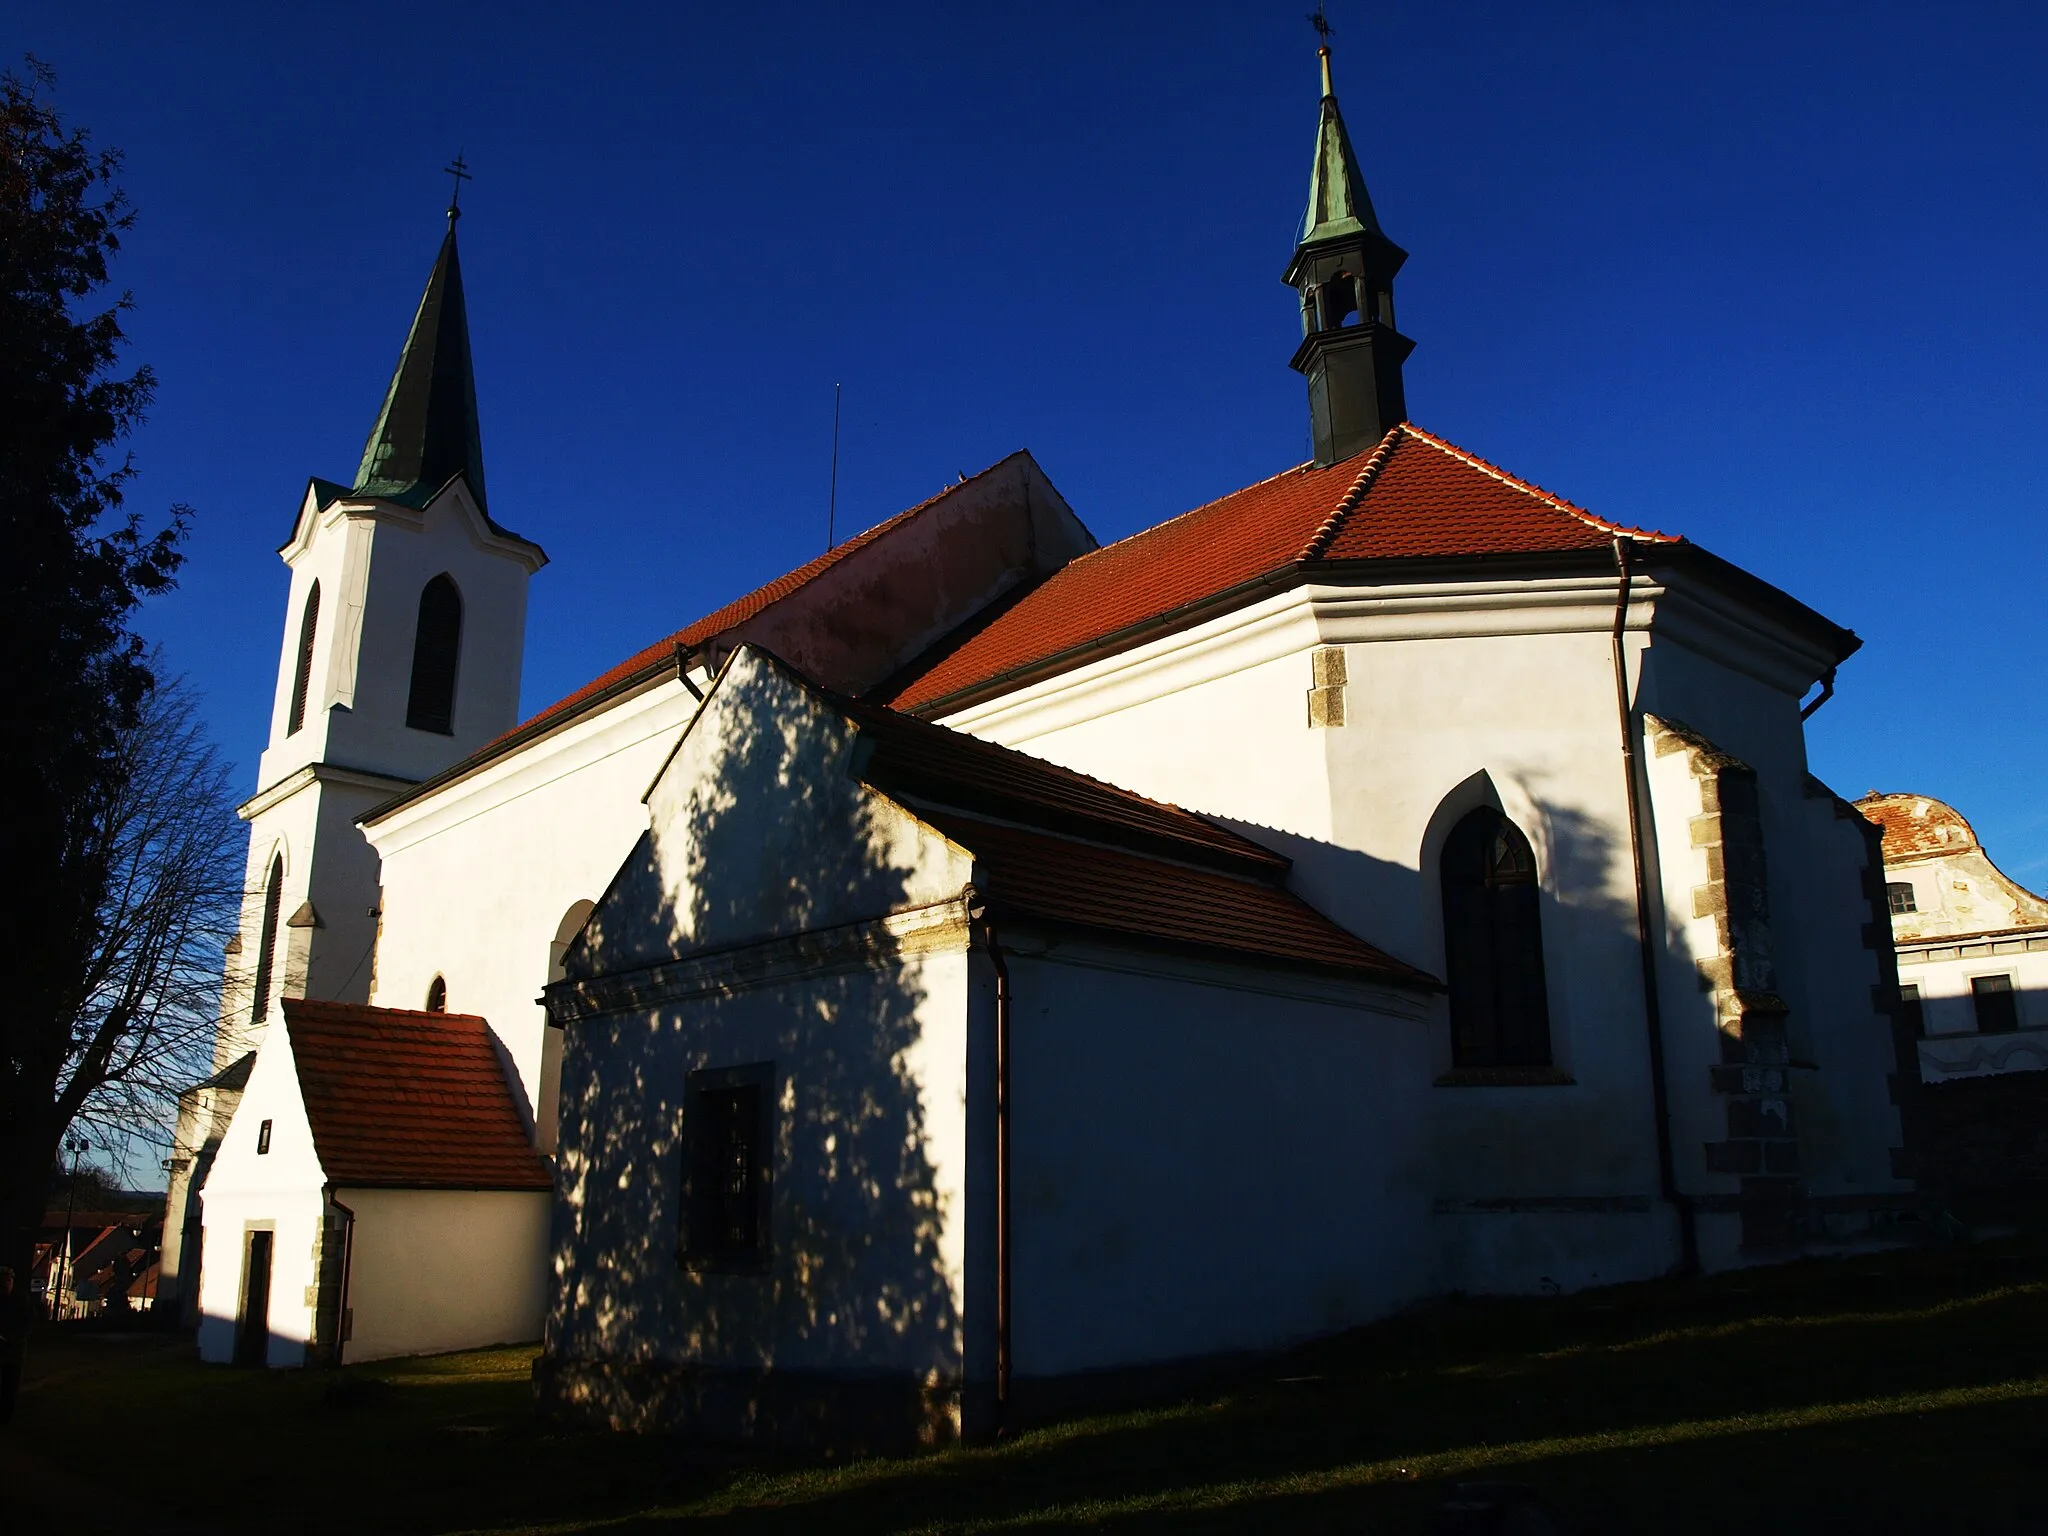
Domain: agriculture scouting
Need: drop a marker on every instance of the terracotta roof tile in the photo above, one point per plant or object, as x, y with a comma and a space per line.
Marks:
738, 611
1115, 891
1917, 826
409, 1100
1414, 496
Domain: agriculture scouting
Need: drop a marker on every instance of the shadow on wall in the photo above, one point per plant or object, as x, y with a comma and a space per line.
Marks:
760, 834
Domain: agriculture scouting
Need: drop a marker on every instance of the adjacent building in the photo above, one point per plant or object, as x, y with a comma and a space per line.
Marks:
1972, 943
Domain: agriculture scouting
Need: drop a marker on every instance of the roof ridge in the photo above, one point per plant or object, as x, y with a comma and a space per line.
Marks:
1320, 539
1530, 488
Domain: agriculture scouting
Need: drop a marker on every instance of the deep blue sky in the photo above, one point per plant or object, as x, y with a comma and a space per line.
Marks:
1769, 275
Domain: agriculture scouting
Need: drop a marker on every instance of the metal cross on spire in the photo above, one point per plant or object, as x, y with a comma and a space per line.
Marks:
459, 169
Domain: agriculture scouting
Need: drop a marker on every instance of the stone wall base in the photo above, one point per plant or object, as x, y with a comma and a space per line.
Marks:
865, 1414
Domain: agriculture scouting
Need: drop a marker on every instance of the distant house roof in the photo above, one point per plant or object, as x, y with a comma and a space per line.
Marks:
407, 1100
1917, 826
1060, 847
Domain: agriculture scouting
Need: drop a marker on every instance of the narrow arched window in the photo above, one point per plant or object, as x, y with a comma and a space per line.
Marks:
266, 943
1493, 945
436, 644
302, 677
437, 996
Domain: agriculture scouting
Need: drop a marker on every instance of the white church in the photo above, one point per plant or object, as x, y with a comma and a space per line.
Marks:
981, 963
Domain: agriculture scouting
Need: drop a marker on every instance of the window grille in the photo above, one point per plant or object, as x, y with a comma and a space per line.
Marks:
1997, 1007
1898, 894
1493, 945
728, 1141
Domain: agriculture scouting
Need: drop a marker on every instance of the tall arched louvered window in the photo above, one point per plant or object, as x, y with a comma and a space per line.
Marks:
1493, 945
302, 677
436, 645
437, 996
266, 943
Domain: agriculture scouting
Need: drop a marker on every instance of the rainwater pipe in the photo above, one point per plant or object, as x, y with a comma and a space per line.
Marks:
977, 912
1827, 691
1653, 1010
348, 1264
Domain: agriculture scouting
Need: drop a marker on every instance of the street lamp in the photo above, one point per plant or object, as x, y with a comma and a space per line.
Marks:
75, 1145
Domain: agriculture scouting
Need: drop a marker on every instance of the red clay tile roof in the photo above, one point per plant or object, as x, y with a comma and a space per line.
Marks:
738, 611
409, 1100
1414, 496
1916, 826
1114, 891
1062, 847
922, 760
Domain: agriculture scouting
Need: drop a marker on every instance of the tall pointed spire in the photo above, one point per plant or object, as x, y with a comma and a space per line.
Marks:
1344, 268
426, 432
1337, 200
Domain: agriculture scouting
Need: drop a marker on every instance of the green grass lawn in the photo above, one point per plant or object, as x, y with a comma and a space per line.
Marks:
1907, 1392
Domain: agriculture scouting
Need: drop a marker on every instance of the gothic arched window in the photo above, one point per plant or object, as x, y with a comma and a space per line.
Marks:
266, 943
437, 996
1493, 945
302, 678
435, 645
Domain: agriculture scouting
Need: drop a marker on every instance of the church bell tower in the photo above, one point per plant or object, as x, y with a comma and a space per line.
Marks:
1344, 270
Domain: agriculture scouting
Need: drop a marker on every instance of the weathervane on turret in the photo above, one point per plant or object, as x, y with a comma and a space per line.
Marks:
1323, 28
459, 169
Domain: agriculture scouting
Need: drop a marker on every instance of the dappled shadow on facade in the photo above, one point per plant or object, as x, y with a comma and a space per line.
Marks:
742, 934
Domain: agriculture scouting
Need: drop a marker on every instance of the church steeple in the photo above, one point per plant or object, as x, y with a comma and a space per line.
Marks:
1344, 269
426, 433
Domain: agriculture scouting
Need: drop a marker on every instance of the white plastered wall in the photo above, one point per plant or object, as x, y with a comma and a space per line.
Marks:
1943, 973
282, 1189
478, 878
769, 883
1500, 691
432, 1270
372, 560
1206, 1158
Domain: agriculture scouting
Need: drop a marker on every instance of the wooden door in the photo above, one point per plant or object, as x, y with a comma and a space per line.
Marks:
252, 1328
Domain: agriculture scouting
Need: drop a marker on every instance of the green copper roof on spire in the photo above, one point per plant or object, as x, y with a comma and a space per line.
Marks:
1337, 203
426, 433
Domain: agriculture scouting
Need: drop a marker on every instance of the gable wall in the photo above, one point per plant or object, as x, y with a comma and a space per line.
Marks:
281, 1189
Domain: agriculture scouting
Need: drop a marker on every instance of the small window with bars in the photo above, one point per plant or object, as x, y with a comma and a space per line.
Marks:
1911, 1011
1997, 1006
728, 1152
263, 1139
1898, 895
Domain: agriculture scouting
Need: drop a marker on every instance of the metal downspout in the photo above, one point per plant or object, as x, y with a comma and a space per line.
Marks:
348, 1260
977, 911
1653, 1010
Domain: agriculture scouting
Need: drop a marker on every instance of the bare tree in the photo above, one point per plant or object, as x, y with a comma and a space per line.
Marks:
143, 1015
